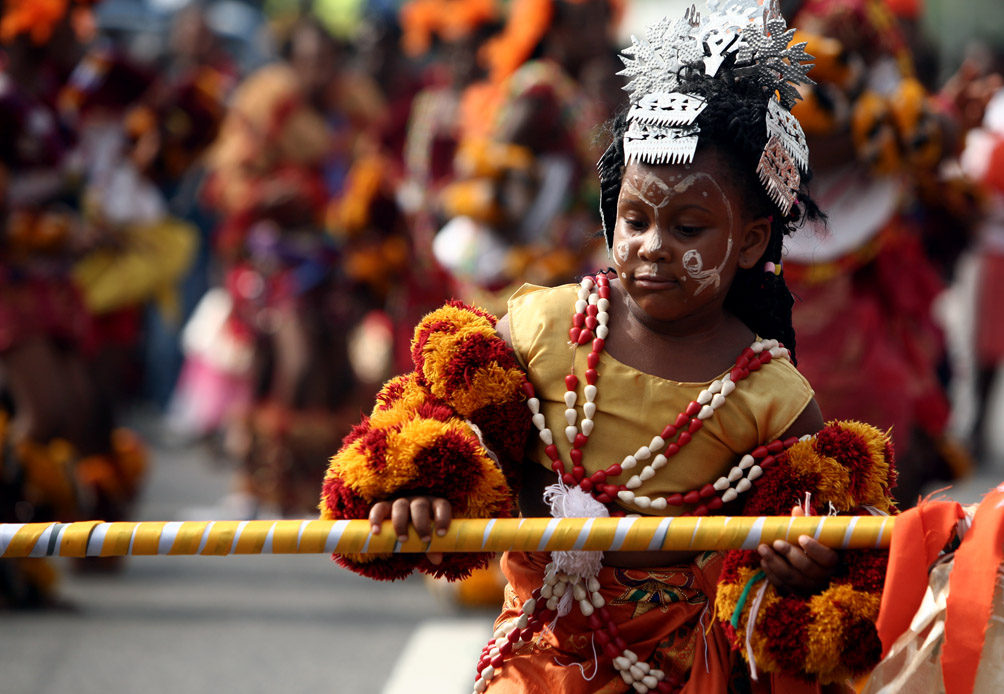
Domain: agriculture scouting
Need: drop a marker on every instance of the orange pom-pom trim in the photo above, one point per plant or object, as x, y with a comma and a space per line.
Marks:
449, 430
829, 636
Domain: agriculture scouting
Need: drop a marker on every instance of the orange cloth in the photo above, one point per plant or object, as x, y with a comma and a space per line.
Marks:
921, 533
971, 592
663, 614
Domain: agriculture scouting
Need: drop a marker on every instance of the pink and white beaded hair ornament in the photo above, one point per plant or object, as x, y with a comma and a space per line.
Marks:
753, 40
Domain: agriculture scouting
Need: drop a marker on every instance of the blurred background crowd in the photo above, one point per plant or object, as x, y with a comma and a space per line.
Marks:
230, 214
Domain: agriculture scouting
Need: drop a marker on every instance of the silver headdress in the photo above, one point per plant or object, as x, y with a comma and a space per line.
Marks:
754, 41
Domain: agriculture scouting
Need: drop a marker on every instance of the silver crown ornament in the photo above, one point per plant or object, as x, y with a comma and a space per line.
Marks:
756, 41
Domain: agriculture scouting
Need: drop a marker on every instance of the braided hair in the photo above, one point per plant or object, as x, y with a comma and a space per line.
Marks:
734, 123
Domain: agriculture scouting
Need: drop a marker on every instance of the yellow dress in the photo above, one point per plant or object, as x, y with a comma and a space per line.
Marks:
633, 406
660, 612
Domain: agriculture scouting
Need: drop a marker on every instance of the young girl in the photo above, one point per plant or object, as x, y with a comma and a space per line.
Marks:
647, 384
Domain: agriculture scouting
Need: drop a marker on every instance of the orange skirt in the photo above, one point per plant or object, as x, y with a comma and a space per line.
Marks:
664, 614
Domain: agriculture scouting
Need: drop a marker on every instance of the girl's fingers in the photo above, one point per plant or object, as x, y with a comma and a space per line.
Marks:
818, 552
378, 514
421, 512
779, 572
792, 568
420, 517
400, 517
807, 572
443, 514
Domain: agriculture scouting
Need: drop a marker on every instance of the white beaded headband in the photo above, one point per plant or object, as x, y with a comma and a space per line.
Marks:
755, 40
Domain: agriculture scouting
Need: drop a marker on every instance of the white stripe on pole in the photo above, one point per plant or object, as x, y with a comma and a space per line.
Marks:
7, 533
621, 533
97, 540
752, 540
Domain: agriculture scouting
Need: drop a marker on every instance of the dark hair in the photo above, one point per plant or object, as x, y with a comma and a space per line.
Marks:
734, 123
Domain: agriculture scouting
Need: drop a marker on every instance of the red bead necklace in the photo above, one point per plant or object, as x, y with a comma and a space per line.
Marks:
589, 324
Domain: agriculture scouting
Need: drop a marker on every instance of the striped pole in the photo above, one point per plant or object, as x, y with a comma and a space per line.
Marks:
98, 539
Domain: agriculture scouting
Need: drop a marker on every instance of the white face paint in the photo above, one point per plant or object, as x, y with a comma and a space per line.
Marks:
725, 200
695, 210
622, 250
693, 263
685, 185
651, 189
657, 192
700, 176
654, 192
653, 243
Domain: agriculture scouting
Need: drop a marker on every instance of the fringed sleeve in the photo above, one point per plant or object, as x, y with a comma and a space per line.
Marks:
454, 428
829, 636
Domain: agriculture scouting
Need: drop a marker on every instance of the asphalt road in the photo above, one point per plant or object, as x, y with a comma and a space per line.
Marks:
249, 624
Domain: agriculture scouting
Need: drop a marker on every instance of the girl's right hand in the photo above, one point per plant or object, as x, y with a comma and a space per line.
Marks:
422, 512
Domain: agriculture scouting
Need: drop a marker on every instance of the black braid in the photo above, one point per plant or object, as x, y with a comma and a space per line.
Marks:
734, 123
611, 170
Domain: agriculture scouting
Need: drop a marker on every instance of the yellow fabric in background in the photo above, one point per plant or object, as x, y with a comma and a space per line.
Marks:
146, 267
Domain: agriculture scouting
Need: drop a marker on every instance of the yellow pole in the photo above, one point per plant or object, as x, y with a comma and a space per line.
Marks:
97, 539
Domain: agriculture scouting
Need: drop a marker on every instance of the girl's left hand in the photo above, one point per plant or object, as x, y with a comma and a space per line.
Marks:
801, 568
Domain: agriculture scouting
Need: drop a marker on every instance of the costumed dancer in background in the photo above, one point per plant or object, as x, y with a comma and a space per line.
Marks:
969, 311
868, 340
378, 57
443, 38
296, 241
480, 244
566, 406
62, 457
983, 160
140, 251
173, 126
525, 201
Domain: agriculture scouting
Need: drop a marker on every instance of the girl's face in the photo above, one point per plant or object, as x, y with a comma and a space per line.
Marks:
681, 234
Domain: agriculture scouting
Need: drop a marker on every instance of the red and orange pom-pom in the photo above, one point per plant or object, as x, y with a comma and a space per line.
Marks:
829, 636
450, 429
460, 360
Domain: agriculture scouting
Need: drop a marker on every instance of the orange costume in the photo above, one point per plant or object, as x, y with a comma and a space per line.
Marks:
665, 615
